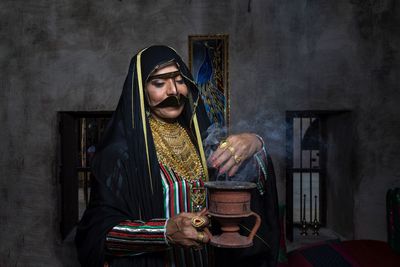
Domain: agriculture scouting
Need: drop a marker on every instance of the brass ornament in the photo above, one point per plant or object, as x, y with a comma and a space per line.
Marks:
197, 196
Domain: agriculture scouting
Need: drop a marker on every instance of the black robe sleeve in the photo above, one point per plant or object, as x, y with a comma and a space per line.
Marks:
110, 203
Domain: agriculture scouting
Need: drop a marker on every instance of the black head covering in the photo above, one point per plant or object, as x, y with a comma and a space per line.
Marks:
127, 182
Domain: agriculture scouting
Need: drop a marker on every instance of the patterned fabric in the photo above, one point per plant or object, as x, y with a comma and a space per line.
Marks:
177, 192
130, 238
261, 159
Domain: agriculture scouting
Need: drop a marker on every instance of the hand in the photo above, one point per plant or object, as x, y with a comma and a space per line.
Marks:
180, 231
233, 151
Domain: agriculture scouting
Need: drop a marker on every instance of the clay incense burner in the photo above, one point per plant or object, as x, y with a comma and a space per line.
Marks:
229, 203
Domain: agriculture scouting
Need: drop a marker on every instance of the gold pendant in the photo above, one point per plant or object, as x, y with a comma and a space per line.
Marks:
198, 197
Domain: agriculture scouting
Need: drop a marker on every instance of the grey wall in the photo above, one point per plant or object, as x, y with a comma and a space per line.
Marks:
340, 177
284, 55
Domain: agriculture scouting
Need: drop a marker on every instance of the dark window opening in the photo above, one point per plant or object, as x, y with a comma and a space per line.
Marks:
80, 132
305, 169
318, 153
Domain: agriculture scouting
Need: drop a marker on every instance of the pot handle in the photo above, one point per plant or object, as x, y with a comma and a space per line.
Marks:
255, 227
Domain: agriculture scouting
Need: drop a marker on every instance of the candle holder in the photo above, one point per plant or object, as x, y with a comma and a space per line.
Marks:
315, 227
315, 224
303, 227
303, 222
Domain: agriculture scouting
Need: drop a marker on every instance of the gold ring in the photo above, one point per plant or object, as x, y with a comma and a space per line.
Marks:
237, 159
232, 150
199, 222
224, 144
200, 236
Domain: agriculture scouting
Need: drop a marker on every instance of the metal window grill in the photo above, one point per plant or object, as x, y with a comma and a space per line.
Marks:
90, 132
80, 132
305, 169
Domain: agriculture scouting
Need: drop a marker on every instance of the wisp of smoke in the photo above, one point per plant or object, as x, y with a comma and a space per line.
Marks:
248, 169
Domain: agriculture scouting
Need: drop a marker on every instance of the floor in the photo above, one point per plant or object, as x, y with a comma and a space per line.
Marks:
300, 240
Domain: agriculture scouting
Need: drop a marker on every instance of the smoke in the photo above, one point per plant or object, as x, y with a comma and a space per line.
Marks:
270, 125
215, 134
248, 170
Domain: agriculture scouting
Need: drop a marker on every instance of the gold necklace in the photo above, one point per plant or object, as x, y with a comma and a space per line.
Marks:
176, 150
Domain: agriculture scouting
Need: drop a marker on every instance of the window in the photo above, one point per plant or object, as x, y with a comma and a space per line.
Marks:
80, 132
319, 148
305, 169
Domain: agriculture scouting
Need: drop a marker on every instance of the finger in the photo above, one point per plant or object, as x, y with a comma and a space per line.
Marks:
203, 212
187, 221
225, 156
179, 220
214, 156
189, 233
202, 237
187, 237
221, 149
227, 166
208, 233
233, 170
206, 238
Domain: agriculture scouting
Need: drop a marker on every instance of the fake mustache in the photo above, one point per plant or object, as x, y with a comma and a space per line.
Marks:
172, 101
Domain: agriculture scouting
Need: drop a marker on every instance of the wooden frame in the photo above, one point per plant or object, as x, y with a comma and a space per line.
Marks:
208, 62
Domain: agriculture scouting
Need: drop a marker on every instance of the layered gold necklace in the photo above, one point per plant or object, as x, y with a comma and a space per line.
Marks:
176, 150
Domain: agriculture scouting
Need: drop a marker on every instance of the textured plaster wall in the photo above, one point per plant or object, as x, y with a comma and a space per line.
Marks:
341, 181
284, 55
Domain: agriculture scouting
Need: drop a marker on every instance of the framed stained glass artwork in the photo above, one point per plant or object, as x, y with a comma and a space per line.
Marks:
208, 62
